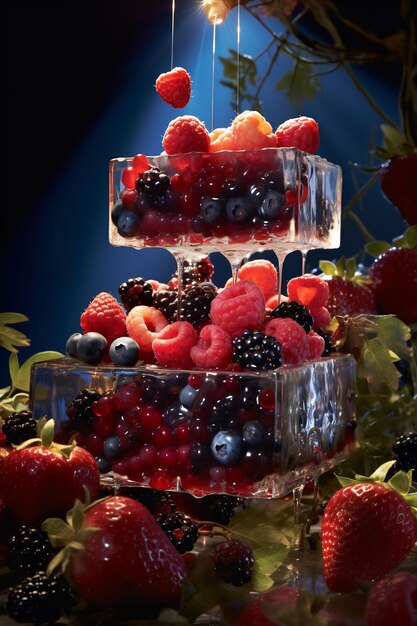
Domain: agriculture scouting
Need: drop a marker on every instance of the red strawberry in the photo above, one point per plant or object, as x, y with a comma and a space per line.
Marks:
126, 557
393, 600
347, 297
399, 185
104, 315
45, 478
368, 529
174, 87
394, 283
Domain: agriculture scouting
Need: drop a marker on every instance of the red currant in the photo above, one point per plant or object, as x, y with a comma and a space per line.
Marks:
129, 177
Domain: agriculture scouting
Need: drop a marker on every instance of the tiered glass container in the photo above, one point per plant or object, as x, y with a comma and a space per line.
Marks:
247, 434
254, 434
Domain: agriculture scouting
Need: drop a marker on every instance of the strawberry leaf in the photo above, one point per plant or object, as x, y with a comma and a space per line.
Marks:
23, 379
328, 268
375, 248
401, 482
410, 236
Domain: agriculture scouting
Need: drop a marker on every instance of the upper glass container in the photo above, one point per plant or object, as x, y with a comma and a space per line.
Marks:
278, 199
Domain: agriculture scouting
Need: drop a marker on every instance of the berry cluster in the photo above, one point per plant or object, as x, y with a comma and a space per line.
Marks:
239, 326
19, 427
212, 195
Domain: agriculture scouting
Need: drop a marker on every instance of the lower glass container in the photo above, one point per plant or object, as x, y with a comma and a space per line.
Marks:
247, 434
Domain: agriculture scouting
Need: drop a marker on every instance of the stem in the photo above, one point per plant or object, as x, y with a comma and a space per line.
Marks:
368, 97
361, 192
367, 236
406, 104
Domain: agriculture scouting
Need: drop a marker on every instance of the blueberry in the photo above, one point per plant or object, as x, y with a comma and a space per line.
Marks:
102, 464
238, 209
124, 352
91, 348
127, 224
199, 455
253, 433
274, 180
227, 447
176, 414
257, 194
271, 205
187, 395
116, 212
232, 187
71, 346
211, 210
111, 447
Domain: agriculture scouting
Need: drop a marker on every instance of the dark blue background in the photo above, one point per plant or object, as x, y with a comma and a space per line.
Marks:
79, 82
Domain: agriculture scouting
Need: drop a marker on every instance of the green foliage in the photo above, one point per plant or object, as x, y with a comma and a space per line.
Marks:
244, 66
300, 83
15, 397
394, 143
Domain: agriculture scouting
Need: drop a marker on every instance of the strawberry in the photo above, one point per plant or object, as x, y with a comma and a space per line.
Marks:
41, 478
115, 553
174, 87
350, 293
394, 283
393, 600
399, 185
367, 531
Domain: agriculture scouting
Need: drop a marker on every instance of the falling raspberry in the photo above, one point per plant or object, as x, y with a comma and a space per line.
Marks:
174, 87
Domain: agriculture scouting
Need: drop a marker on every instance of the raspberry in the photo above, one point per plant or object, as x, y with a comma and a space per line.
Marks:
238, 307
172, 346
261, 272
256, 351
214, 348
186, 134
104, 315
251, 131
296, 311
233, 562
134, 292
316, 346
321, 317
292, 337
19, 427
310, 290
392, 600
174, 87
299, 132
144, 324
221, 139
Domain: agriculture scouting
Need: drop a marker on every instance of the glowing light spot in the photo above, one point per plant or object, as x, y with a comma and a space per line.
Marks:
216, 11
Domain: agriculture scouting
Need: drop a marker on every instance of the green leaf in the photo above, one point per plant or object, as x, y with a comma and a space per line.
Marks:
381, 472
267, 561
12, 318
172, 617
328, 268
13, 368
345, 481
401, 482
299, 83
260, 582
410, 236
375, 364
375, 248
23, 380
394, 141
394, 334
58, 531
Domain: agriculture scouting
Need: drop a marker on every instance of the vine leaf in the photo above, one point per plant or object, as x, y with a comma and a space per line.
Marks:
299, 83
10, 338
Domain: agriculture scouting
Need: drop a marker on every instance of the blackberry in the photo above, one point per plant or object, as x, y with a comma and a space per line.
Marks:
221, 509
205, 268
39, 599
19, 427
180, 530
296, 311
166, 301
159, 503
233, 562
79, 411
254, 350
153, 183
136, 292
195, 305
328, 345
194, 273
29, 550
405, 451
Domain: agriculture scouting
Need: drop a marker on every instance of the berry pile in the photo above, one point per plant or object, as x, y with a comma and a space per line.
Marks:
209, 328
214, 196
